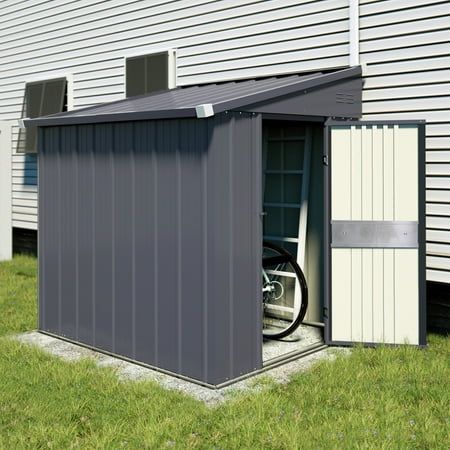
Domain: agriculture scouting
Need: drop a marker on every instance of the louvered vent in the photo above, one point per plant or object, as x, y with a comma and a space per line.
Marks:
345, 97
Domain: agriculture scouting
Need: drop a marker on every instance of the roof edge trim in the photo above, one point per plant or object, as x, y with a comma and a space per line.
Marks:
117, 117
314, 82
196, 109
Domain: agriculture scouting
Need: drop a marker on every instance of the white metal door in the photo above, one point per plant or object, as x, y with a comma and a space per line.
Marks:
376, 264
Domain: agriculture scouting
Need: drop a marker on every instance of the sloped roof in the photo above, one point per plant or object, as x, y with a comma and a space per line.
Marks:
199, 100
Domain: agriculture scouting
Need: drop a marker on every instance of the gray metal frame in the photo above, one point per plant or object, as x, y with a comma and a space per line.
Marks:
151, 230
327, 226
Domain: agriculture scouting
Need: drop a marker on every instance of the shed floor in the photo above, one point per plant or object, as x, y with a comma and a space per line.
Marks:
302, 339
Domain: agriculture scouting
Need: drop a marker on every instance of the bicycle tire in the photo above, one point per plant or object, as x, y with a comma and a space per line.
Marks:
303, 287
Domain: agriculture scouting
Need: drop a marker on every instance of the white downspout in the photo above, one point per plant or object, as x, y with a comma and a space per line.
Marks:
5, 192
354, 32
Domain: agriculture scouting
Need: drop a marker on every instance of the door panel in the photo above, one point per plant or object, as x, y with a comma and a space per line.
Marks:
376, 275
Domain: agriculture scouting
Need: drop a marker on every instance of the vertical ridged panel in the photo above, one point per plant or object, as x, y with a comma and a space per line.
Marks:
123, 159
85, 233
145, 242
167, 243
233, 197
245, 187
151, 241
49, 244
378, 334
375, 177
42, 323
103, 237
68, 249
219, 248
191, 264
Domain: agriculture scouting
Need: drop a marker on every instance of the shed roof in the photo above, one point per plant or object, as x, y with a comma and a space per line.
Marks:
198, 100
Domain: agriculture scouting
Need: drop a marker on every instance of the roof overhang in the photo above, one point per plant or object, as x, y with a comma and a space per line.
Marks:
336, 94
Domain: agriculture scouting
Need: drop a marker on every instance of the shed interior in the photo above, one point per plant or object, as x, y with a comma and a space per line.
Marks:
292, 183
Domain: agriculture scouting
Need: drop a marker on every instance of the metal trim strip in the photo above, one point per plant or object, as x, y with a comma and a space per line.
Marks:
374, 234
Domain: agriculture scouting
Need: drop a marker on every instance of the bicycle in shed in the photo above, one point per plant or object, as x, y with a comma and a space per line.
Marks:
282, 280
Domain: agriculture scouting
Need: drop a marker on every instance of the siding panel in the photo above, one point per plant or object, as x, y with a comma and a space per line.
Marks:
215, 40
405, 45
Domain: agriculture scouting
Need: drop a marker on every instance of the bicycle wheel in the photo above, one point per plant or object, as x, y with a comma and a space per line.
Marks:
285, 292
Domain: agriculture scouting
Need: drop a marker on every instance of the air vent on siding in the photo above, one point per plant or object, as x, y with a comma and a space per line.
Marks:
345, 97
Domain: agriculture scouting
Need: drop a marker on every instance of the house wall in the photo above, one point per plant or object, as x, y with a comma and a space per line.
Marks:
215, 40
403, 44
147, 249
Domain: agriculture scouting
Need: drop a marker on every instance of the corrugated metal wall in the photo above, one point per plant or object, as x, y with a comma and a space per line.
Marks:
216, 40
405, 44
149, 241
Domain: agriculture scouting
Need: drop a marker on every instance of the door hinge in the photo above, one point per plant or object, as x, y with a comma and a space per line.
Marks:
325, 160
325, 312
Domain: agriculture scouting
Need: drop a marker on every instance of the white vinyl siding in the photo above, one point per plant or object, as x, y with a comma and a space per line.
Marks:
215, 40
24, 193
404, 45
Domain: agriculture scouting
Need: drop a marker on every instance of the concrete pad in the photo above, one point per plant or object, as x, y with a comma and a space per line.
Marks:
128, 371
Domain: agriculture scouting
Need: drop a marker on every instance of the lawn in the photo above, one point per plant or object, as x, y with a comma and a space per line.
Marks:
383, 398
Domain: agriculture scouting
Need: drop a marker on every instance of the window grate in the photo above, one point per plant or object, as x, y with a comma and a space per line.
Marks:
41, 98
146, 74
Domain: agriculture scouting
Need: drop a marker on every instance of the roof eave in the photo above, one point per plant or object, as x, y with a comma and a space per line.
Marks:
203, 110
104, 118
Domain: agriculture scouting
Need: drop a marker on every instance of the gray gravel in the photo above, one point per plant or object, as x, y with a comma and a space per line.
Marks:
303, 337
128, 371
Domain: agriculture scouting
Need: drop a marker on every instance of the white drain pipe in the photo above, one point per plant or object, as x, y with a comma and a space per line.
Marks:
5, 192
354, 32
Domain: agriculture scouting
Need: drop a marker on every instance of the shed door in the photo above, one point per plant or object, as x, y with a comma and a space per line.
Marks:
376, 265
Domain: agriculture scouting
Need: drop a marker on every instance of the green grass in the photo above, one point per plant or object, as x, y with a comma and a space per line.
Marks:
383, 398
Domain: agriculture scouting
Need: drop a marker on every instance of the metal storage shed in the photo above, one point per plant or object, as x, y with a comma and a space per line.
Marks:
150, 221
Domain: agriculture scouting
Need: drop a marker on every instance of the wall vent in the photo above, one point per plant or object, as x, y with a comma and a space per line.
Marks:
345, 97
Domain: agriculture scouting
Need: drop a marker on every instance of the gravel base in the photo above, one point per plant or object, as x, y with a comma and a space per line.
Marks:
128, 371
303, 337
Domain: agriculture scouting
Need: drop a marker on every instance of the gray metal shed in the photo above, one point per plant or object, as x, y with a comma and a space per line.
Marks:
150, 219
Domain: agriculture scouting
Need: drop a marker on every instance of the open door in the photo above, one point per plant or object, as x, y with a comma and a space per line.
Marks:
375, 233
286, 173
